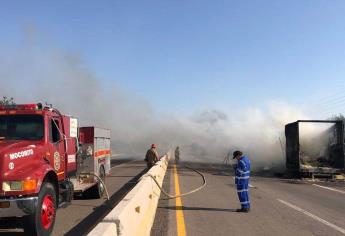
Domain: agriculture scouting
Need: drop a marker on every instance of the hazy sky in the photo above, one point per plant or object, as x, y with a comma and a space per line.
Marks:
190, 55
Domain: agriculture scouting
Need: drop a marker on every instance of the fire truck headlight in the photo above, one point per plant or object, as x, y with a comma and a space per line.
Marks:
30, 184
16, 185
6, 186
25, 185
12, 186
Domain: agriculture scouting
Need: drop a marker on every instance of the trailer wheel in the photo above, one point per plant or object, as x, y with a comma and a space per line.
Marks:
98, 190
41, 222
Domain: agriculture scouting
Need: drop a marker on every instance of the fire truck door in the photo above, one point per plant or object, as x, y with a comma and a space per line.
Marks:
57, 147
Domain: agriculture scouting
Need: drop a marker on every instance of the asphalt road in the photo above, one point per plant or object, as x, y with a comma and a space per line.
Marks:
279, 207
83, 214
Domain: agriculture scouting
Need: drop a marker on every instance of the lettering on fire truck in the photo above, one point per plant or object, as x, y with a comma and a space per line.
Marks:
21, 154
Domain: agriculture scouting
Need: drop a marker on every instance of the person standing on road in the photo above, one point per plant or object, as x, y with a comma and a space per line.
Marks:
177, 155
151, 156
242, 171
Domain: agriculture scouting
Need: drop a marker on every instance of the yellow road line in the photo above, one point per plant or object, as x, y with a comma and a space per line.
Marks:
181, 227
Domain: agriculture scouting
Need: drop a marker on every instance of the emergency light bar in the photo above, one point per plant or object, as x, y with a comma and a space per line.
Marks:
37, 106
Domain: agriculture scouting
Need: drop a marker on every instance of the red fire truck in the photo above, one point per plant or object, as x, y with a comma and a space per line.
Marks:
44, 159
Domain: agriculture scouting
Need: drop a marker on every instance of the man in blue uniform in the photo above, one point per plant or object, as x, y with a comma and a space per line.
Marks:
242, 180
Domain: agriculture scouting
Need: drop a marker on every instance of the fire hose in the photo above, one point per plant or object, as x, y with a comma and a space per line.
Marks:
100, 180
169, 196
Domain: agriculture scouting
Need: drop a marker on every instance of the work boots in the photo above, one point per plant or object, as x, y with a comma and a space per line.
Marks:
243, 210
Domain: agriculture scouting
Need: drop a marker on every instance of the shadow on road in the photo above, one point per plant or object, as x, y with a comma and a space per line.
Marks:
120, 176
185, 208
12, 233
118, 161
90, 221
161, 225
7, 223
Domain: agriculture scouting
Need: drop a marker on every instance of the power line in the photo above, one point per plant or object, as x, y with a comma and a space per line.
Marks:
335, 105
334, 100
330, 99
316, 107
332, 111
332, 96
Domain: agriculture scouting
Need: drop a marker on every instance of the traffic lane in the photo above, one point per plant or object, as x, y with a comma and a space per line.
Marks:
116, 161
82, 214
212, 211
165, 219
324, 203
276, 216
335, 186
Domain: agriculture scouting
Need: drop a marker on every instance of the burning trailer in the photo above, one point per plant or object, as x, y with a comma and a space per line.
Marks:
315, 148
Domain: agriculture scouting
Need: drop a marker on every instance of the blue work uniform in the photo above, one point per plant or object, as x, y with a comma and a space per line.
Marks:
242, 181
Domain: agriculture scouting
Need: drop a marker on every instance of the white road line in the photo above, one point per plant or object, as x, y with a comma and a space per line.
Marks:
333, 226
332, 189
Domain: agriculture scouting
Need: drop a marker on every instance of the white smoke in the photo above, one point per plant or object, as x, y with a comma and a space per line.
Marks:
315, 139
209, 136
41, 75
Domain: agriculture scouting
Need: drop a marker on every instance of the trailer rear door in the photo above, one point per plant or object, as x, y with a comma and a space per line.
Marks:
337, 157
292, 146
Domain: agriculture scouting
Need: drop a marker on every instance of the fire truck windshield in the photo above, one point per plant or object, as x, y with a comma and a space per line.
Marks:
21, 127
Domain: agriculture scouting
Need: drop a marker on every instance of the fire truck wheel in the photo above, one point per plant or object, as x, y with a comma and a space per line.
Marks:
97, 191
41, 222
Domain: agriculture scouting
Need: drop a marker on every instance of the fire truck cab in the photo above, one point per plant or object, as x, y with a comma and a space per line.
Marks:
43, 163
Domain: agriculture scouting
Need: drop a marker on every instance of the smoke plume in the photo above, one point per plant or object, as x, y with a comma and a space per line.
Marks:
39, 75
315, 141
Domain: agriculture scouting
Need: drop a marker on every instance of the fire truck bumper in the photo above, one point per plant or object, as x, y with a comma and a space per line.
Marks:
18, 206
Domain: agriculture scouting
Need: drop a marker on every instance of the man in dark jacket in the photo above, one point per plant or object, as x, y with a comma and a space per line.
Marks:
242, 180
151, 156
177, 155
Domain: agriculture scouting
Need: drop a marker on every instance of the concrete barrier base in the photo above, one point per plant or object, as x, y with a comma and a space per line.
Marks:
135, 214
